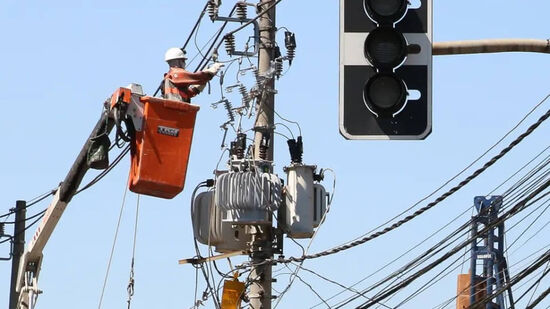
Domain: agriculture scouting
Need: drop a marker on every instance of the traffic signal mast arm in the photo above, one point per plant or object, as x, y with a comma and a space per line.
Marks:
491, 46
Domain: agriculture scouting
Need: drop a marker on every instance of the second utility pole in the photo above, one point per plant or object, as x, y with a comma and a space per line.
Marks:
262, 238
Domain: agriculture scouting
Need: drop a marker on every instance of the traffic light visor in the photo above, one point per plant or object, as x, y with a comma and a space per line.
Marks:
385, 48
385, 94
386, 11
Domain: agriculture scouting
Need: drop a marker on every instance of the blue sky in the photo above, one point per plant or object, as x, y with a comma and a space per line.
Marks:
61, 59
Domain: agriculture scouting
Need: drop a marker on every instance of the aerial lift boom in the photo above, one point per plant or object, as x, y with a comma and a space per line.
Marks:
159, 132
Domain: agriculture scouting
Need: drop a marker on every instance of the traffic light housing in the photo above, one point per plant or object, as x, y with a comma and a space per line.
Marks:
385, 69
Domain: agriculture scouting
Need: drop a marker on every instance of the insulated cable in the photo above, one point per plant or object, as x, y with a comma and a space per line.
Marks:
513, 211
417, 213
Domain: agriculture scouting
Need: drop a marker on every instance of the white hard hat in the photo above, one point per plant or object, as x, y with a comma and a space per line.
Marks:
174, 53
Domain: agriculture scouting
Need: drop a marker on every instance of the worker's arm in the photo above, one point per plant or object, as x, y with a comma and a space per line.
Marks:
182, 78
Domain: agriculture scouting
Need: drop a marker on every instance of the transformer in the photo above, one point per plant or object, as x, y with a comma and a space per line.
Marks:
248, 197
210, 229
305, 202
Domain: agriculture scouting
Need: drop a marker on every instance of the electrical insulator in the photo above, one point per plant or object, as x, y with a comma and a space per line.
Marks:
278, 62
264, 146
278, 66
241, 10
296, 149
290, 44
239, 146
229, 108
213, 8
244, 93
259, 78
230, 44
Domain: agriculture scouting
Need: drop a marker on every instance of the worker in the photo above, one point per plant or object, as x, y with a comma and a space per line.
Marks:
182, 85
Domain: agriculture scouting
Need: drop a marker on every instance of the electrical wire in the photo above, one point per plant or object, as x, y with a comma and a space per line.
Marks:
103, 173
511, 190
29, 218
530, 173
31, 202
420, 211
112, 248
522, 205
23, 231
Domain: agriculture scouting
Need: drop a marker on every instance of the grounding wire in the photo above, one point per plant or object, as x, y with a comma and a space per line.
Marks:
423, 209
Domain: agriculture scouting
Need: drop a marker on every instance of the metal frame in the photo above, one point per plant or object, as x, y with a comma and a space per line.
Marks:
491, 252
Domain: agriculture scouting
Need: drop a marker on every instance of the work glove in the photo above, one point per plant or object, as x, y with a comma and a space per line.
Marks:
198, 88
214, 68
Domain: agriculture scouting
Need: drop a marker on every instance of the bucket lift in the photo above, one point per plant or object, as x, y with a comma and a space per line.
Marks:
487, 248
159, 132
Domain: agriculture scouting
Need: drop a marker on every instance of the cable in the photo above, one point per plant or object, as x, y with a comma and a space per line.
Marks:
31, 202
423, 209
106, 171
196, 25
535, 285
131, 281
499, 186
23, 231
515, 187
513, 211
238, 29
112, 248
29, 218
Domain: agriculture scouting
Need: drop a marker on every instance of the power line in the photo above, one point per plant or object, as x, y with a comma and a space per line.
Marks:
513, 188
417, 213
510, 213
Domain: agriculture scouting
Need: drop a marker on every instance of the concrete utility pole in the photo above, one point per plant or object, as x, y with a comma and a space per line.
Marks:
18, 248
261, 247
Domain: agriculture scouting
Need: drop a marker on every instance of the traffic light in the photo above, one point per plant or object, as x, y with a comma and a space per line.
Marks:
385, 69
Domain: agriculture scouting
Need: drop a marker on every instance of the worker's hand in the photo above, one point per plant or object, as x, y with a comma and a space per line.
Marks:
197, 88
214, 68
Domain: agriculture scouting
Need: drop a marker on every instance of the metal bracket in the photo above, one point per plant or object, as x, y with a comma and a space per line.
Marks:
256, 34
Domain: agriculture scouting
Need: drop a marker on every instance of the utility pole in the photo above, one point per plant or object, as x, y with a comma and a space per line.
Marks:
18, 248
261, 246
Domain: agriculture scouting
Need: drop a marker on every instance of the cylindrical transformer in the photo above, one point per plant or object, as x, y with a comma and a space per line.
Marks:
210, 229
299, 210
248, 197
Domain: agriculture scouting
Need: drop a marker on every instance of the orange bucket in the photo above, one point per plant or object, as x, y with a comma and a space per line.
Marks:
160, 151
